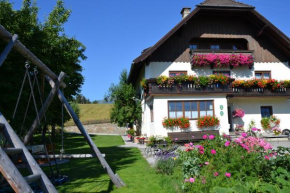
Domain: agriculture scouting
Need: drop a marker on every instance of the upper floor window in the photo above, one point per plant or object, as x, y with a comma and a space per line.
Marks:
236, 47
215, 47
190, 109
193, 46
263, 74
177, 73
227, 73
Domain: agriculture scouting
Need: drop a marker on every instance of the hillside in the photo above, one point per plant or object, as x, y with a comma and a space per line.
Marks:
93, 113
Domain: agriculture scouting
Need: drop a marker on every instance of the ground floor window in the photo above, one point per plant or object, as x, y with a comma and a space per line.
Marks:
266, 111
190, 109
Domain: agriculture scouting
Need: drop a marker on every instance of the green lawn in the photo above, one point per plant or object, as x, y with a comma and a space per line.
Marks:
87, 175
93, 113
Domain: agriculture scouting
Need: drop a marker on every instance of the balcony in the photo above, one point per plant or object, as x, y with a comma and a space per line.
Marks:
190, 88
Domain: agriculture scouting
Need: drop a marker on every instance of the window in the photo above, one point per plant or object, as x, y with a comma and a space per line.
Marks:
176, 73
266, 111
236, 47
228, 73
190, 109
214, 47
151, 113
193, 46
263, 74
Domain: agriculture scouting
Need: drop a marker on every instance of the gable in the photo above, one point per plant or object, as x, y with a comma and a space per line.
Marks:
270, 43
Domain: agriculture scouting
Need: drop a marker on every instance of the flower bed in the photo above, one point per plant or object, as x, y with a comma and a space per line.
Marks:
182, 123
207, 121
222, 60
219, 164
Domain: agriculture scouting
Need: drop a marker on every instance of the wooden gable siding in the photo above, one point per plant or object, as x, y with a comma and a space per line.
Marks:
176, 48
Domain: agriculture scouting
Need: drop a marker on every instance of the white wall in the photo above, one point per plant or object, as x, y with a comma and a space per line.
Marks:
161, 110
279, 71
252, 108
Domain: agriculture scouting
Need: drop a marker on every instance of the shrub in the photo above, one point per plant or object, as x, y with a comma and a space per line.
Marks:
166, 164
130, 132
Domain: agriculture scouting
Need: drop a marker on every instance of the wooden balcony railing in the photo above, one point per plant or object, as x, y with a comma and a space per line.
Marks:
189, 88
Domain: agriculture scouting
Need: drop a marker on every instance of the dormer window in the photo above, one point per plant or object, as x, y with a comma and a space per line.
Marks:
193, 46
215, 47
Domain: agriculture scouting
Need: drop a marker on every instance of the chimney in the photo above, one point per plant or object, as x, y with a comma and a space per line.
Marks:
185, 11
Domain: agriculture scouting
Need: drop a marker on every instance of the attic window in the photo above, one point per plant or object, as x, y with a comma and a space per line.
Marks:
214, 47
193, 46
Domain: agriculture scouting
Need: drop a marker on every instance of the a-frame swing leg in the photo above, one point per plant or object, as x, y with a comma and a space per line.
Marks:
44, 108
114, 177
8, 49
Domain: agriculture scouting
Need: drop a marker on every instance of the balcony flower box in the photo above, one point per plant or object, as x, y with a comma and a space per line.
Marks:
222, 60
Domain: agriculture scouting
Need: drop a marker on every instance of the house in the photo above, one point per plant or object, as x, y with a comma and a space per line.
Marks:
223, 29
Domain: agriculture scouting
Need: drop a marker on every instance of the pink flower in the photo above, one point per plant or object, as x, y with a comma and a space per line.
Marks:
206, 163
190, 144
266, 157
186, 180
191, 180
211, 137
204, 137
227, 143
201, 151
186, 145
270, 155
254, 129
176, 139
213, 151
228, 175
244, 134
215, 174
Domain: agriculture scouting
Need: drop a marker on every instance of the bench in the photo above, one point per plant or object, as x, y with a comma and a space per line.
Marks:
183, 137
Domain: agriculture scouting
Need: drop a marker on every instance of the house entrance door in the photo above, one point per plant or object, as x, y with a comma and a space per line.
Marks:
230, 118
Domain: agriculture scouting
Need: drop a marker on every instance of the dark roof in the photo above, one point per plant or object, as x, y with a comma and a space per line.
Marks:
234, 4
224, 3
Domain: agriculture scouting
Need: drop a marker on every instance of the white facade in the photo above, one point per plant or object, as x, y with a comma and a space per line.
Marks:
252, 106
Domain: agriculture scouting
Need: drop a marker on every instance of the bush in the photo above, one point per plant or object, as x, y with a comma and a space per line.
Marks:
166, 164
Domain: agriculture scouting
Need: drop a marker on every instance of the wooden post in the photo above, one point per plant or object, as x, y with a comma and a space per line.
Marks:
19, 47
31, 164
12, 175
8, 49
44, 108
115, 179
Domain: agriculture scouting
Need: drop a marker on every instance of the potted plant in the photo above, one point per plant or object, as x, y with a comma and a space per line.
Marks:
207, 121
130, 133
238, 113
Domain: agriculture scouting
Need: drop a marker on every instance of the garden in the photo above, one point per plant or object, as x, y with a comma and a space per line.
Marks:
220, 164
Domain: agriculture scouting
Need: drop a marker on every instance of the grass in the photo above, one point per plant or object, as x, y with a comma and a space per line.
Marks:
87, 175
93, 113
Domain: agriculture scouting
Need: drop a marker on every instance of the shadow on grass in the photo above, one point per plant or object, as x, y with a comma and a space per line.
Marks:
88, 175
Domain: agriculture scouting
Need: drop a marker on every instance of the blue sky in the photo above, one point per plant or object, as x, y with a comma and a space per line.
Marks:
116, 31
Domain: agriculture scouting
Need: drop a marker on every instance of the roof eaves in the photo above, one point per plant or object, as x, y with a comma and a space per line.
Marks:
273, 27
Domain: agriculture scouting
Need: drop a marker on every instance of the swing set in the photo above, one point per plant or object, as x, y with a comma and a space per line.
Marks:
17, 146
